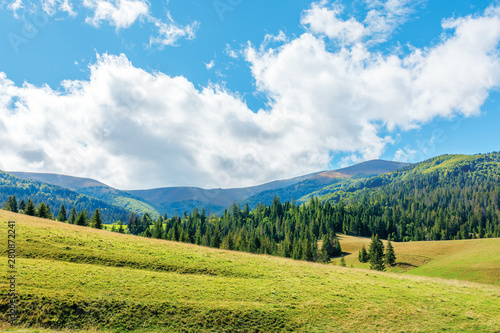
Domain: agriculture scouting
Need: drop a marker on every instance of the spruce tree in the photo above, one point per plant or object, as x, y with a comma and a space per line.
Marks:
390, 256
342, 262
96, 221
30, 208
43, 211
81, 219
61, 216
376, 253
328, 249
72, 216
121, 230
22, 206
11, 204
363, 255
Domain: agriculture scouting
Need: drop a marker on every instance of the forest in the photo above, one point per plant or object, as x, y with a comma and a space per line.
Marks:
440, 199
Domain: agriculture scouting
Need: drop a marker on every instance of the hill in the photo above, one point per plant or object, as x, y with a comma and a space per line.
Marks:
474, 260
177, 200
78, 278
447, 197
55, 196
95, 189
320, 180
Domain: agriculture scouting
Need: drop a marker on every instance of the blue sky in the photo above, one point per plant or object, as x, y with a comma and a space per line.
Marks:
226, 93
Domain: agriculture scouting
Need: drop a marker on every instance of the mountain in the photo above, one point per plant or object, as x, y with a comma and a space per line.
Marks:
177, 200
55, 196
443, 198
95, 189
301, 191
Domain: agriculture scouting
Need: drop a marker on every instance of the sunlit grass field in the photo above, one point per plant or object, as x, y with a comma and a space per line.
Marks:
475, 260
75, 279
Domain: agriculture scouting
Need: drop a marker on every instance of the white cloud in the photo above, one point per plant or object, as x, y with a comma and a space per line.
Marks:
324, 20
15, 6
170, 32
210, 65
118, 13
382, 19
405, 155
385, 17
135, 129
51, 7
230, 52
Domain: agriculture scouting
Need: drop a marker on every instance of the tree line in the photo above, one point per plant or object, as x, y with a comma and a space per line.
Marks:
281, 229
43, 211
461, 204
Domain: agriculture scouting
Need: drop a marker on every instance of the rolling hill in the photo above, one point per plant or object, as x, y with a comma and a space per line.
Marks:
55, 196
76, 279
95, 189
177, 200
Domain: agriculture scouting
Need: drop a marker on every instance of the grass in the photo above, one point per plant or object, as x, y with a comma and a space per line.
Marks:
74, 279
474, 260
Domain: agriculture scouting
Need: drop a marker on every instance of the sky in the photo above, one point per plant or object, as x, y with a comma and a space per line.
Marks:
229, 93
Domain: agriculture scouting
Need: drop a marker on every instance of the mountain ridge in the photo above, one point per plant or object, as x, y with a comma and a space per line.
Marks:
177, 200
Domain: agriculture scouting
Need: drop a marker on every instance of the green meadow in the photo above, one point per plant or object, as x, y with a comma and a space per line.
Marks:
76, 279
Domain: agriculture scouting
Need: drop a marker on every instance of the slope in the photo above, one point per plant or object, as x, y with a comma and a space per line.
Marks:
95, 189
177, 200
77, 278
303, 190
55, 196
474, 260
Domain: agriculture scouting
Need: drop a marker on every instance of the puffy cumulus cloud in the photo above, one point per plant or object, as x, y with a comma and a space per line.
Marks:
135, 129
345, 99
119, 13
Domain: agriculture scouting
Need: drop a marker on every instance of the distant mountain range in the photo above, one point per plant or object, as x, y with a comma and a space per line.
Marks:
177, 200
351, 184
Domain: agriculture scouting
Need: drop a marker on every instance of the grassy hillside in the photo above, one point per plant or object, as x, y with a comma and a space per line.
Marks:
475, 260
80, 278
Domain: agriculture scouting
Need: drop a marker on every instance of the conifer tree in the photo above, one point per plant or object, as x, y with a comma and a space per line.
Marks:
72, 216
363, 255
30, 208
43, 211
121, 230
390, 256
376, 253
22, 206
96, 221
11, 204
81, 219
61, 217
342, 262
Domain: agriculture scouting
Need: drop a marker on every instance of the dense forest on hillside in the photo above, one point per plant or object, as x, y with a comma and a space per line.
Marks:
55, 196
280, 229
448, 197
